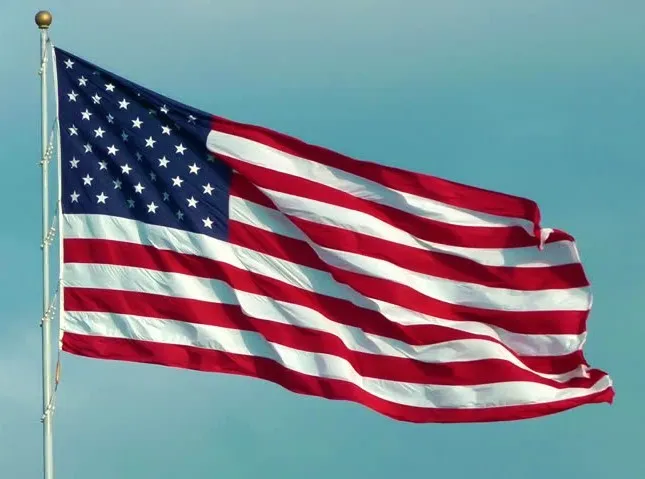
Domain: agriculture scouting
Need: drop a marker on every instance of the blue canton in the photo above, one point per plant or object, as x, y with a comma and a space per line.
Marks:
132, 153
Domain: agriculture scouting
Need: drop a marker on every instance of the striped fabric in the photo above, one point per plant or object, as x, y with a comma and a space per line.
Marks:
196, 242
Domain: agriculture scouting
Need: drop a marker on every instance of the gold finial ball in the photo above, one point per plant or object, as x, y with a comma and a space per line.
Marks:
43, 19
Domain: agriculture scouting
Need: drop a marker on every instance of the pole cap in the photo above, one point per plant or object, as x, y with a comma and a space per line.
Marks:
43, 19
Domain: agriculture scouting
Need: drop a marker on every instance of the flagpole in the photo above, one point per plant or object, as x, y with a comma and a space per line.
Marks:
44, 20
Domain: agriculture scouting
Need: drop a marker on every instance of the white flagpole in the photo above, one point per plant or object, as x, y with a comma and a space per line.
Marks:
44, 20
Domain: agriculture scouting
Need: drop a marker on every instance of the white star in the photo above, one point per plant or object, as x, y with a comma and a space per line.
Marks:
208, 189
109, 87
88, 148
192, 202
153, 177
96, 99
125, 169
82, 81
101, 198
102, 165
99, 132
137, 123
139, 157
124, 136
150, 143
208, 223
110, 119
112, 150
177, 181
69, 63
180, 215
180, 148
86, 114
74, 196
163, 162
191, 119
164, 109
74, 162
194, 168
123, 104
138, 188
117, 184
87, 181
210, 158
165, 130
166, 196
72, 95
73, 130
152, 112
130, 203
152, 208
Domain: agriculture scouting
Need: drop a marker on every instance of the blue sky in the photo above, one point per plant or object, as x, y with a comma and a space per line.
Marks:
538, 98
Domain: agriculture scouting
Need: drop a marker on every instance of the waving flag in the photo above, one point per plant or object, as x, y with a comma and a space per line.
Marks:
197, 242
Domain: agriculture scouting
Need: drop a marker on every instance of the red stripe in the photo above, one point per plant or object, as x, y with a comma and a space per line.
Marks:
224, 362
243, 188
485, 371
338, 310
441, 265
448, 192
129, 254
423, 228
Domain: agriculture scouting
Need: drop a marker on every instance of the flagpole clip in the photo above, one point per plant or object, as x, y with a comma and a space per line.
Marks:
51, 310
51, 405
51, 232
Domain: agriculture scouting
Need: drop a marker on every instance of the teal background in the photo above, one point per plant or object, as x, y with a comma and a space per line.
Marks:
541, 98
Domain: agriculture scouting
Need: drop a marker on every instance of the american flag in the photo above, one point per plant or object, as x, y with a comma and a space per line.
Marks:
196, 242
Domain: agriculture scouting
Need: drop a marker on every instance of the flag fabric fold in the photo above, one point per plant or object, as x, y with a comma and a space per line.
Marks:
197, 242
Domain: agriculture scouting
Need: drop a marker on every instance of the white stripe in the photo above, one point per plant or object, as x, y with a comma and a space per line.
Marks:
455, 292
120, 229
553, 254
258, 154
450, 291
176, 285
319, 365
